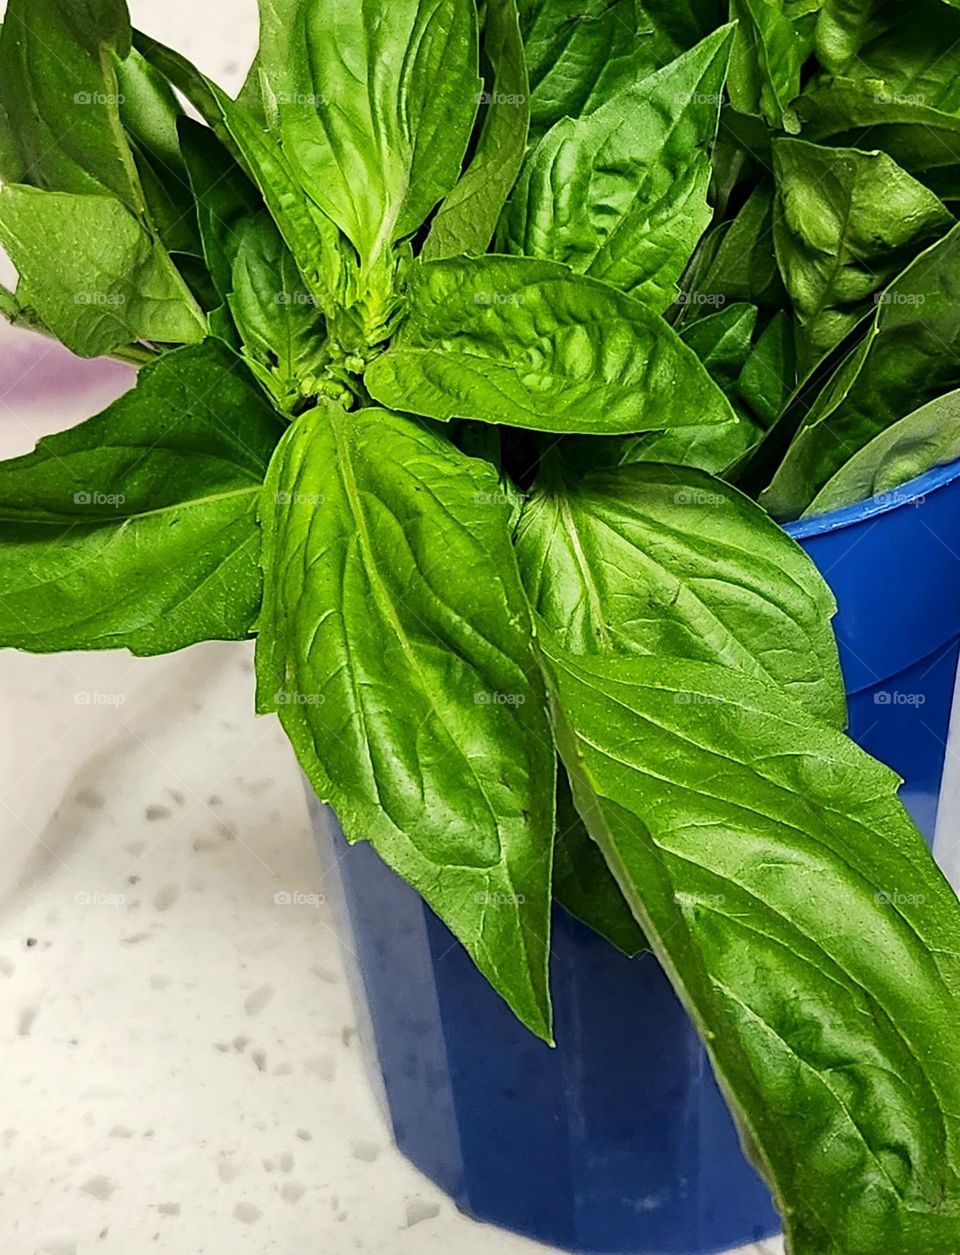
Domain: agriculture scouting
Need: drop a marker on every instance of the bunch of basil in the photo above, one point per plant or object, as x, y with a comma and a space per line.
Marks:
457, 331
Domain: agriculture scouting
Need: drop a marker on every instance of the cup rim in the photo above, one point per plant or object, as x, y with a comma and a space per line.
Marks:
912, 494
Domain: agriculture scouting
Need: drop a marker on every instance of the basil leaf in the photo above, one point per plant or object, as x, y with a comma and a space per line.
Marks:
900, 54
621, 194
843, 27
279, 325
527, 343
137, 529
389, 568
309, 234
804, 925
377, 161
225, 201
282, 330
741, 264
723, 340
60, 92
278, 26
912, 354
772, 43
579, 52
467, 219
770, 377
860, 115
714, 447
93, 274
584, 885
928, 437
848, 223
662, 561
150, 112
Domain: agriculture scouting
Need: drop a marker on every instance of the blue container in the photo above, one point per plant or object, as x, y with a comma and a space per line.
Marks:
618, 1141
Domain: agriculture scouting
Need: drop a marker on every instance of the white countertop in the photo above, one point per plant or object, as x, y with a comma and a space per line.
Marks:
180, 1070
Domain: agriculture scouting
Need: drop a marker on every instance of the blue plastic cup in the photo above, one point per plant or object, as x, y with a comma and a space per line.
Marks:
619, 1141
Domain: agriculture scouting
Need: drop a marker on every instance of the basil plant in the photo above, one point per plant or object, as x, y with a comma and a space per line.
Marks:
482, 352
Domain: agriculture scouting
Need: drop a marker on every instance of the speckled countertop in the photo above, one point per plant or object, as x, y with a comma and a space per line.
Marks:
180, 1066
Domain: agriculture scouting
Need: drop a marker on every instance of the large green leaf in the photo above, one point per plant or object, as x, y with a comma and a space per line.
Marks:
378, 159
662, 561
396, 645
467, 219
621, 194
59, 89
527, 343
138, 529
911, 355
95, 276
926, 438
848, 222
803, 923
